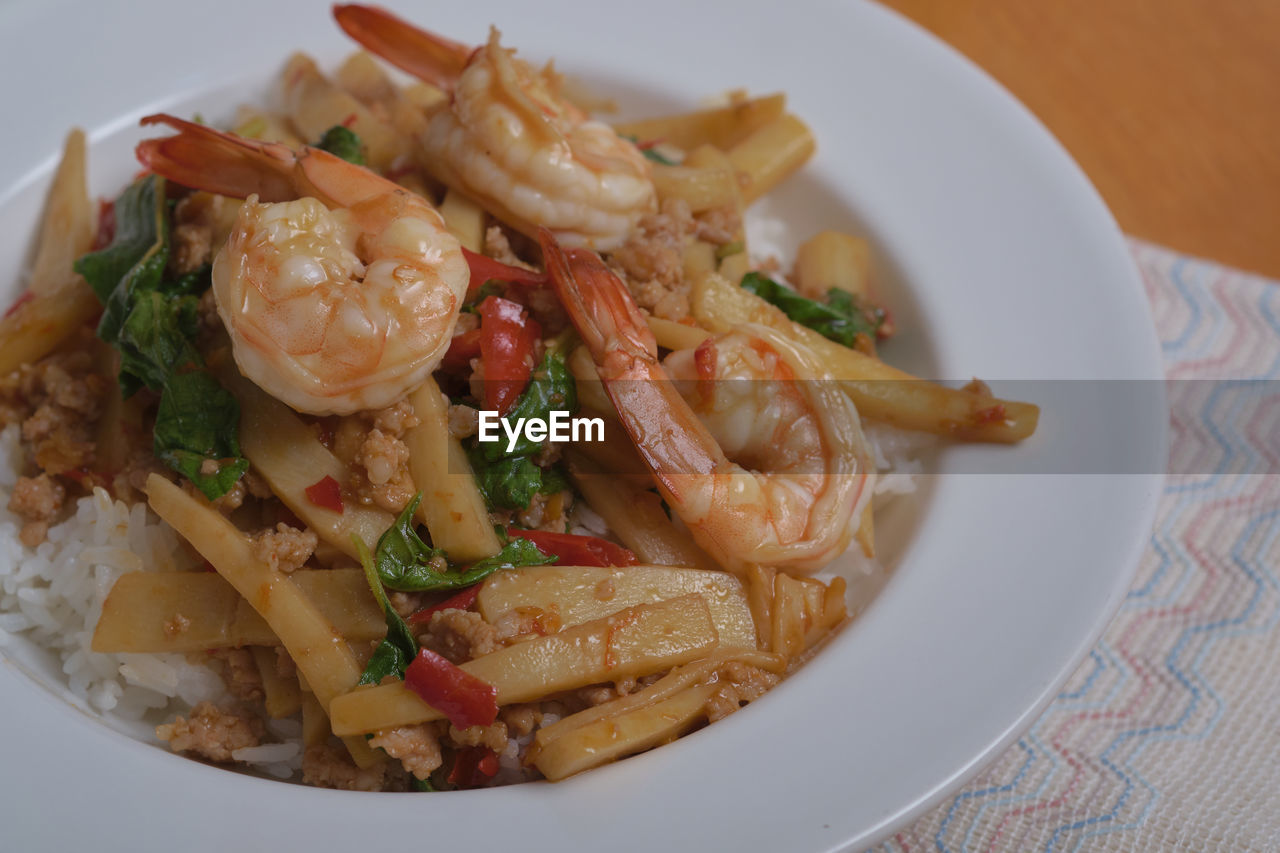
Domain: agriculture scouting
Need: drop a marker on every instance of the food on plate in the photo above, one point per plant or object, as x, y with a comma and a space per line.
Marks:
256, 508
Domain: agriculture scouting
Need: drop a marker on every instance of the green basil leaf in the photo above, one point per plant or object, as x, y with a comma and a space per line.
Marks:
404, 562
515, 552
398, 649
152, 320
508, 483
343, 142
197, 422
141, 221
550, 388
842, 319
155, 339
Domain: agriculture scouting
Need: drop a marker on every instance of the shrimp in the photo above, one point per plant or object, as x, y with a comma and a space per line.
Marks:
339, 289
508, 140
801, 508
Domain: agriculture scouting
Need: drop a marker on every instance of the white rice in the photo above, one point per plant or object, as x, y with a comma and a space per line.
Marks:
52, 595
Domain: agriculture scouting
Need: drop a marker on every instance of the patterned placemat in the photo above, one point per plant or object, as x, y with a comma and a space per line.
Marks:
1168, 736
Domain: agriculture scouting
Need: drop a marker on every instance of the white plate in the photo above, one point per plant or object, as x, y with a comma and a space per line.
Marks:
1004, 264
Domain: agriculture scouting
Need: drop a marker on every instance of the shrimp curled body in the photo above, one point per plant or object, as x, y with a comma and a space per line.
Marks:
510, 141
340, 293
762, 465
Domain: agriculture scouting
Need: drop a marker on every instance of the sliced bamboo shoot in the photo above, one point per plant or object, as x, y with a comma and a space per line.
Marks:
633, 642
289, 456
314, 644
194, 611
718, 126
678, 679
879, 392
452, 507
571, 595
623, 735
281, 695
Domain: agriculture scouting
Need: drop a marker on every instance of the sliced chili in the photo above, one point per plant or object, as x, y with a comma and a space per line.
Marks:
575, 550
473, 766
464, 699
461, 601
326, 493
462, 349
507, 337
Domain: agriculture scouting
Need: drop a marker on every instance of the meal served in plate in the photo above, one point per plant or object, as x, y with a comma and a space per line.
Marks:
255, 483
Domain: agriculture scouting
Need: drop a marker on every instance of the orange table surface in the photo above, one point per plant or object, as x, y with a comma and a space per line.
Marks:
1172, 107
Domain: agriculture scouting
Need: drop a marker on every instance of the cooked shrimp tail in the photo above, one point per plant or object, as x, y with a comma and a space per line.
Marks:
206, 159
798, 514
425, 55
203, 158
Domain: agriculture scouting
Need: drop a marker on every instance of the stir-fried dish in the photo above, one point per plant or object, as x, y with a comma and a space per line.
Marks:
494, 450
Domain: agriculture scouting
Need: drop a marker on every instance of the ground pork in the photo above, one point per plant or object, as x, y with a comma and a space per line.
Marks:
58, 400
239, 672
718, 225
652, 260
740, 683
460, 635
381, 469
497, 245
405, 603
129, 484
211, 732
525, 623
546, 511
197, 221
464, 421
417, 747
285, 548
521, 719
36, 500
493, 737
598, 694
329, 765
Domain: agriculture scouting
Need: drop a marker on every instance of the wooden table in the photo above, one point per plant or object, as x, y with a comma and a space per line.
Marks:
1172, 107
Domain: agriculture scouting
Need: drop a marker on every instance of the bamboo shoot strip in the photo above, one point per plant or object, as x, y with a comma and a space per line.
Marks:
577, 594
633, 642
452, 506
315, 645
194, 611
625, 734
879, 392
290, 457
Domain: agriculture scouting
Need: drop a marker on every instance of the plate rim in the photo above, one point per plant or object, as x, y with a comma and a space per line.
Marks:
1148, 510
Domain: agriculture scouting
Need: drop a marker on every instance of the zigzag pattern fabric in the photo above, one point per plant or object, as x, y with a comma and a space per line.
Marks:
1168, 735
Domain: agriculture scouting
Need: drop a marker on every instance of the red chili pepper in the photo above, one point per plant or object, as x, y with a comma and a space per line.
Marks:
484, 268
349, 121
464, 699
575, 550
106, 225
21, 300
507, 336
461, 601
473, 766
462, 349
326, 493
